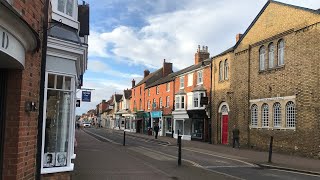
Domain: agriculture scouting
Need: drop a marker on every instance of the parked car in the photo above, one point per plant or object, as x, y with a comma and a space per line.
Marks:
86, 124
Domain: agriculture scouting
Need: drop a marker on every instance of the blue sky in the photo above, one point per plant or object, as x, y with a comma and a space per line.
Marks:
129, 36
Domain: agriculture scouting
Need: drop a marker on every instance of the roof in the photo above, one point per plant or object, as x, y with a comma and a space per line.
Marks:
262, 10
118, 97
127, 93
64, 32
224, 52
151, 78
199, 88
173, 75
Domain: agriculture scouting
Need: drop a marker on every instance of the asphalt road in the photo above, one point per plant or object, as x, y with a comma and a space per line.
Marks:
225, 167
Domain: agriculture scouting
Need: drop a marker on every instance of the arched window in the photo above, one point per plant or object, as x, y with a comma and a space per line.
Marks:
220, 71
271, 55
290, 115
277, 115
281, 52
262, 52
226, 69
265, 115
254, 115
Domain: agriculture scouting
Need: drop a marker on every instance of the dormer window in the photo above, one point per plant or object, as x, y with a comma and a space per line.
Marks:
66, 6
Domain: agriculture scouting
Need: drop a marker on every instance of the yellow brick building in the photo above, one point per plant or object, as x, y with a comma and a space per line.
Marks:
268, 83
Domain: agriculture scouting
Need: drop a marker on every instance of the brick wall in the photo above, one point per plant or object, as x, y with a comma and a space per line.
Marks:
23, 85
136, 96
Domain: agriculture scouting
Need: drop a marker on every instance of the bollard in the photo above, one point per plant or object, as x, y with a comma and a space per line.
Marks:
179, 151
178, 137
124, 138
172, 134
270, 149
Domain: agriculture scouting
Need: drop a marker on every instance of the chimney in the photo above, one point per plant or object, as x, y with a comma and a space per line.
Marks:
146, 72
238, 36
167, 68
133, 83
201, 54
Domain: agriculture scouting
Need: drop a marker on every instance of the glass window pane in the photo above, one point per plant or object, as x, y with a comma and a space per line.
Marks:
59, 82
67, 83
57, 128
51, 78
69, 9
61, 5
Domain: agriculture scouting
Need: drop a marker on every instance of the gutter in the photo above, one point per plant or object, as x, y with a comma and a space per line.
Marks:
211, 104
249, 75
42, 86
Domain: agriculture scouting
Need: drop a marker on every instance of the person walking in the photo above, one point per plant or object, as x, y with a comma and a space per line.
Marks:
235, 133
156, 130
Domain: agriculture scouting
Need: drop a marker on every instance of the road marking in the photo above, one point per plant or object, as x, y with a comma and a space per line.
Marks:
314, 175
250, 164
225, 174
227, 166
109, 140
151, 154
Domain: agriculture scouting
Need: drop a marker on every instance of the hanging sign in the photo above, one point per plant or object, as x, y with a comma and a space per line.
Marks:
86, 96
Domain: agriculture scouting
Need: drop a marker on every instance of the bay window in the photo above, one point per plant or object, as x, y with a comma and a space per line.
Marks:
196, 97
180, 101
58, 123
66, 6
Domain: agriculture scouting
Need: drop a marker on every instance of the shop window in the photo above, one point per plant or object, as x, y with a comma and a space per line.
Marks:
197, 128
66, 6
58, 136
179, 127
169, 124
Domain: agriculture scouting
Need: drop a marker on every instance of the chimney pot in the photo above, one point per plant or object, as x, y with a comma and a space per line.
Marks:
133, 83
238, 36
146, 72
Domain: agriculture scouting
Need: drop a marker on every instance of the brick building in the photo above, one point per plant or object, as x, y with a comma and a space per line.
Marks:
139, 103
191, 85
20, 54
267, 83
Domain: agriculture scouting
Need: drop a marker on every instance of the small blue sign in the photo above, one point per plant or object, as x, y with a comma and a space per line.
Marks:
86, 96
156, 114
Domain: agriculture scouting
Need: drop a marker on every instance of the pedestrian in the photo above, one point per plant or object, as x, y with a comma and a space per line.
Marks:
156, 130
235, 133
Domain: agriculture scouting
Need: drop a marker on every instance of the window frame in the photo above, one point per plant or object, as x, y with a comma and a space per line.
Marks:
160, 102
70, 149
226, 69
180, 102
277, 120
168, 101
254, 115
168, 87
182, 82
265, 116
262, 58
157, 90
220, 71
293, 114
200, 72
280, 52
271, 55
74, 9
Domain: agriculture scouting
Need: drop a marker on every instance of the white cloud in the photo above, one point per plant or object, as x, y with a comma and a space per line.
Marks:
175, 35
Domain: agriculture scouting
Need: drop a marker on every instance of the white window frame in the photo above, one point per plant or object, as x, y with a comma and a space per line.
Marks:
168, 87
197, 95
180, 100
200, 77
265, 115
277, 115
160, 102
271, 55
70, 151
290, 115
280, 52
190, 79
226, 69
168, 101
262, 52
254, 115
74, 8
157, 90
182, 82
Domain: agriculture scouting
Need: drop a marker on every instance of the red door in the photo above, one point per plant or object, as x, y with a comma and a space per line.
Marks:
225, 129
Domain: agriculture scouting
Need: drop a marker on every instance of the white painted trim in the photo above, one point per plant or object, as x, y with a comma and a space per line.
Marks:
222, 104
74, 156
273, 99
201, 68
57, 169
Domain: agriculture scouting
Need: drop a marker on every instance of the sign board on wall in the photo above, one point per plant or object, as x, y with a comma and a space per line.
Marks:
156, 114
86, 96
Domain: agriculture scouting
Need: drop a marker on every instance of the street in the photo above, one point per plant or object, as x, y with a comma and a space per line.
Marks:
101, 155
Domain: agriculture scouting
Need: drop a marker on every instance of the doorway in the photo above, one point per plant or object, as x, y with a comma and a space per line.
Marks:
3, 89
224, 129
224, 123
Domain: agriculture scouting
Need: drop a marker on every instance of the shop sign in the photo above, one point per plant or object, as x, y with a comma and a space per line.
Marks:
156, 114
86, 96
204, 101
11, 46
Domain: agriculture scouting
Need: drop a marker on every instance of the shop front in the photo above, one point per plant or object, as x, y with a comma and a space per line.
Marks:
156, 118
198, 118
181, 124
168, 125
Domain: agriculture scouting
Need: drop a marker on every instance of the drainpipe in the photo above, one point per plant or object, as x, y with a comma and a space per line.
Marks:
211, 104
42, 85
249, 69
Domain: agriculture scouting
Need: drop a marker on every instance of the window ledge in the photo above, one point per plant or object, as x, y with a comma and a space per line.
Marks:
272, 128
57, 169
276, 68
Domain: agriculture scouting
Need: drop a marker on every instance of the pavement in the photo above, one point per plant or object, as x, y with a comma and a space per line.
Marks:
98, 160
260, 158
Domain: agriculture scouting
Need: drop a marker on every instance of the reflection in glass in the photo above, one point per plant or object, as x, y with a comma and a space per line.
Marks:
179, 126
59, 82
69, 9
61, 5
57, 125
197, 128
